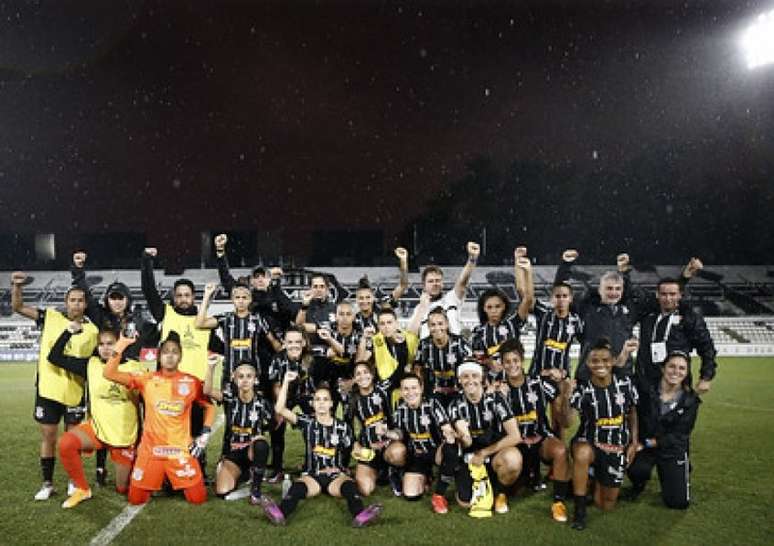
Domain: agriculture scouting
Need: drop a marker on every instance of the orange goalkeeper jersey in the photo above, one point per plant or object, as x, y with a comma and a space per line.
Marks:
168, 400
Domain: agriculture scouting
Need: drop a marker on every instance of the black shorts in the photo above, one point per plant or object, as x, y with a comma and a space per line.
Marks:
50, 412
241, 458
609, 467
420, 463
325, 480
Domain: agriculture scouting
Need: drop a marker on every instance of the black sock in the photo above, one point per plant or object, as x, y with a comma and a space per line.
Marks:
296, 492
101, 458
560, 490
354, 502
47, 467
497, 487
580, 507
277, 447
258, 466
449, 462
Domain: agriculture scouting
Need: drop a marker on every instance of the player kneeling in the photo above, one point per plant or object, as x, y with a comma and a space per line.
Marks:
529, 399
488, 435
112, 413
166, 440
248, 415
607, 435
325, 439
421, 438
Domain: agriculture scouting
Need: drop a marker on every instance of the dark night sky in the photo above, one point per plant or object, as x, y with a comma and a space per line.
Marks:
155, 115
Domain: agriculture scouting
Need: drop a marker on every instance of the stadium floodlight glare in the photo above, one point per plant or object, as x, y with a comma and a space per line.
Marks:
758, 41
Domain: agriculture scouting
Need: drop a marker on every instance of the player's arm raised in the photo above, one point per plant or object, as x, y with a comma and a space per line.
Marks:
17, 299
280, 408
462, 281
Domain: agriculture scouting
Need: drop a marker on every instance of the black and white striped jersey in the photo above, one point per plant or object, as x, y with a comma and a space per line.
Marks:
301, 388
485, 418
370, 410
347, 360
529, 403
554, 336
603, 411
324, 444
241, 336
441, 362
245, 421
380, 301
486, 338
421, 426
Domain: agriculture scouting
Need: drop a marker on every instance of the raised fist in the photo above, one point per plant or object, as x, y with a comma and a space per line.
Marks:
401, 253
631, 345
220, 241
570, 255
18, 277
623, 262
79, 259
291, 376
324, 334
520, 252
523, 263
152, 251
693, 267
473, 250
306, 298
213, 360
210, 288
276, 272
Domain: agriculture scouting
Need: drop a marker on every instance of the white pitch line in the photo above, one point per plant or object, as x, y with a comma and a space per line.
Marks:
118, 523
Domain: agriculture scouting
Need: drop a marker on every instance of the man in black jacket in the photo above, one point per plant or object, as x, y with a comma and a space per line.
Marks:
669, 323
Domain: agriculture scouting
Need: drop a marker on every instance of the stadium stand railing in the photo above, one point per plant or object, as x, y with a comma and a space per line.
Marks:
727, 299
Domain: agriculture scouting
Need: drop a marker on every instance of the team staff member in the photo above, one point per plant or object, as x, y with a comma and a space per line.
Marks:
180, 317
369, 304
439, 355
268, 300
168, 395
667, 322
112, 411
496, 323
58, 392
248, 416
607, 434
667, 416
325, 439
529, 398
488, 434
607, 313
451, 302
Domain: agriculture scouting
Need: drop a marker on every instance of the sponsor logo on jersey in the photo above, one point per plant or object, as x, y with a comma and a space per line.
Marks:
167, 451
242, 343
530, 417
324, 451
610, 421
444, 373
172, 408
420, 435
374, 419
555, 345
241, 430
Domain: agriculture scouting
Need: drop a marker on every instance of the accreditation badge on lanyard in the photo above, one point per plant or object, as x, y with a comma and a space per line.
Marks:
658, 350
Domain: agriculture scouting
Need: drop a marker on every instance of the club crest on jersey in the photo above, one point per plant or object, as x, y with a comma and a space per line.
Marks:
452, 359
570, 330
251, 327
425, 420
502, 330
377, 399
487, 415
335, 439
532, 397
137, 474
183, 389
620, 398
253, 416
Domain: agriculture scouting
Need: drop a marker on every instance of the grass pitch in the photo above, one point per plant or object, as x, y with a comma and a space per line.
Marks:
731, 489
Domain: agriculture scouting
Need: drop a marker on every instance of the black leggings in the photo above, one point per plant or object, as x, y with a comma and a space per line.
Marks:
673, 473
